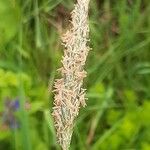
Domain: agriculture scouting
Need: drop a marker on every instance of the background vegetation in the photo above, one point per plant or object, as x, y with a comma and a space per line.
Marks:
118, 106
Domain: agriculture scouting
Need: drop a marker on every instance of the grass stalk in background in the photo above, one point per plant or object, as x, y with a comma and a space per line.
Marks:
25, 134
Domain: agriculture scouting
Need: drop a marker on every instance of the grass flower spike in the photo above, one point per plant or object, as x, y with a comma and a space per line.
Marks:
69, 94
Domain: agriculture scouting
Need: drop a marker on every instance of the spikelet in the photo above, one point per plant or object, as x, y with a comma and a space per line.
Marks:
69, 95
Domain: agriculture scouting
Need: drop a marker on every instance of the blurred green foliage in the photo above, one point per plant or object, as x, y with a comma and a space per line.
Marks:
117, 113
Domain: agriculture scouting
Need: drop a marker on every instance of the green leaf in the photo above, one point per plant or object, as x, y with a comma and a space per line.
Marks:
9, 16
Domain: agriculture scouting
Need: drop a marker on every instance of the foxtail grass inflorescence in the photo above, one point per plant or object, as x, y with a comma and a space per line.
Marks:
69, 94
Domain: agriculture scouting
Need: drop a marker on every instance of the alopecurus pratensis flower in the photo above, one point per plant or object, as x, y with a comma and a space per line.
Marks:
69, 94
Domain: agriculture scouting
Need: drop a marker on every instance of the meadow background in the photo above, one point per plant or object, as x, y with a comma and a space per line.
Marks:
117, 116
